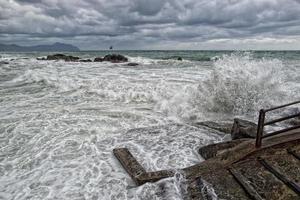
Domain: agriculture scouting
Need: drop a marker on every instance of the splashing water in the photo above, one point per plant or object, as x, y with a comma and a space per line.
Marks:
171, 188
59, 122
238, 84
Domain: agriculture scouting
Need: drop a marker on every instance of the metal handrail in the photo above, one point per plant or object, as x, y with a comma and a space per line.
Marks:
262, 123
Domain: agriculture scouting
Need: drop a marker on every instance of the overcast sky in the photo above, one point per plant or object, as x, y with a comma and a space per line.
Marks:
153, 24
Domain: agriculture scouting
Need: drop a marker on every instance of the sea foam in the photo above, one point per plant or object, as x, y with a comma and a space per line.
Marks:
237, 84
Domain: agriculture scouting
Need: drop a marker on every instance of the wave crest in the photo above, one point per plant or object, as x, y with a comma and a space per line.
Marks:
238, 84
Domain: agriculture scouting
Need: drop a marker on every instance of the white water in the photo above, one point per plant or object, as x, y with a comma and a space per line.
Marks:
59, 122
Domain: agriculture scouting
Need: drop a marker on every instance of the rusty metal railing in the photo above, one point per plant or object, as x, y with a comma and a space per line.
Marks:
262, 123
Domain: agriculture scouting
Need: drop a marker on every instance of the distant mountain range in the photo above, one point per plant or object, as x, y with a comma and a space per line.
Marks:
53, 47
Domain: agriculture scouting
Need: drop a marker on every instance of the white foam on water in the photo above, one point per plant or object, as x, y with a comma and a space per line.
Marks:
237, 85
59, 122
142, 60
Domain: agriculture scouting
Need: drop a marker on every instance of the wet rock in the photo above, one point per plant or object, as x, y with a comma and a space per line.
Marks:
179, 58
61, 57
98, 59
85, 60
4, 63
224, 127
115, 58
243, 129
41, 58
132, 64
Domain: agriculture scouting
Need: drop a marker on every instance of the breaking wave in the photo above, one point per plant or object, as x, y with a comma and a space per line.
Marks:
60, 121
238, 84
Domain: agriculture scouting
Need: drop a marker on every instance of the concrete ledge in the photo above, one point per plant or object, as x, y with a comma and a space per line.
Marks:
136, 171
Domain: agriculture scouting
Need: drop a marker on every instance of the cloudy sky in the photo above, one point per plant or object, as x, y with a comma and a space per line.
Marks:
153, 24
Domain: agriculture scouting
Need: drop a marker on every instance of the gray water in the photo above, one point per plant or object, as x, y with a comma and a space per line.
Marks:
59, 122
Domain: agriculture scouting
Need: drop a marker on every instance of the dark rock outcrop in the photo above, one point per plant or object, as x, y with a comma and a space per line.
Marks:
132, 64
98, 59
179, 58
115, 58
62, 57
4, 63
243, 129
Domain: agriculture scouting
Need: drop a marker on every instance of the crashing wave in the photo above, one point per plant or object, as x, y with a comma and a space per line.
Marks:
238, 84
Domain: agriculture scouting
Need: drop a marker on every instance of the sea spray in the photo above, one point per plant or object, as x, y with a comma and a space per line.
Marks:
207, 190
237, 85
240, 84
59, 123
173, 188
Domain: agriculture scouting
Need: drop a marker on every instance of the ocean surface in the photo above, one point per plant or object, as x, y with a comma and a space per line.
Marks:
60, 121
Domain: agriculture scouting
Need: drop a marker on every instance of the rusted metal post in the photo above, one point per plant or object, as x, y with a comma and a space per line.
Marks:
260, 128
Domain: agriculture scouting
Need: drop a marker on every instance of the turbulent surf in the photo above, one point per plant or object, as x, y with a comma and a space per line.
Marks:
60, 121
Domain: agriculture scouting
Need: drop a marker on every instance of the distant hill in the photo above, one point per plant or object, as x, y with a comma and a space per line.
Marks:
53, 47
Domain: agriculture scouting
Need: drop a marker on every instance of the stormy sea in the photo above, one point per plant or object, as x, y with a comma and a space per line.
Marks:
60, 121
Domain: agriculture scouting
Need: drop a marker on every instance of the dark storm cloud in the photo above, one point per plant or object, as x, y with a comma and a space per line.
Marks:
147, 24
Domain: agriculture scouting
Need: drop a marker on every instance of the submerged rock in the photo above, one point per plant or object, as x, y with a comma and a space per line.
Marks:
132, 64
243, 129
4, 63
98, 59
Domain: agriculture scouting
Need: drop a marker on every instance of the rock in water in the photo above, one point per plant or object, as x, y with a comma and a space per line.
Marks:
132, 64
62, 57
243, 129
179, 58
4, 63
98, 59
115, 58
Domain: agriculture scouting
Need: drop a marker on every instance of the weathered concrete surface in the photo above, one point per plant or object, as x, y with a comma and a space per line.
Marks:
242, 158
224, 126
212, 150
136, 171
130, 164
